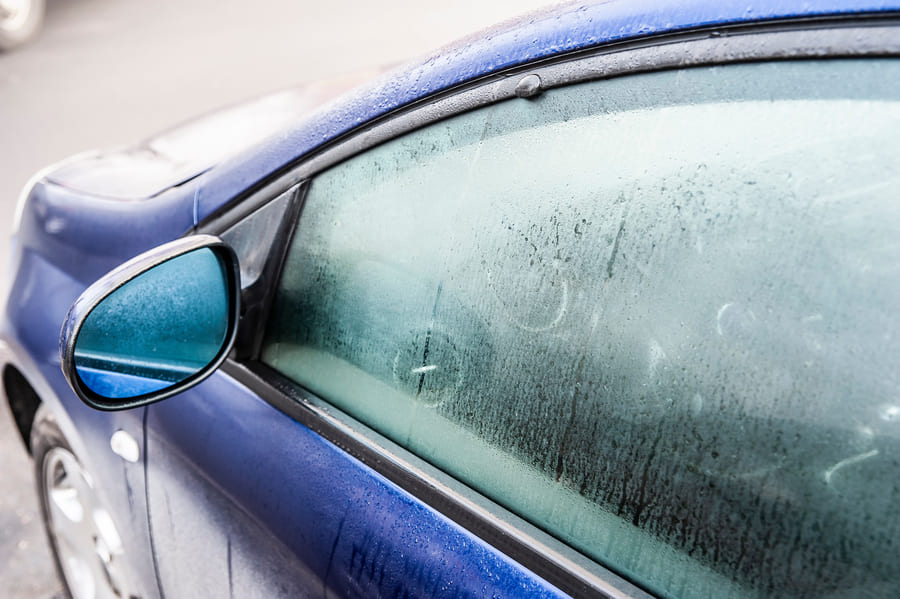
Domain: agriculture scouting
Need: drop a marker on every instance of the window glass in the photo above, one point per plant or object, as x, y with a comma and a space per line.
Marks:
657, 316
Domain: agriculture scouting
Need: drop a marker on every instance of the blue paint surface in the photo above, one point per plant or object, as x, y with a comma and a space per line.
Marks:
358, 533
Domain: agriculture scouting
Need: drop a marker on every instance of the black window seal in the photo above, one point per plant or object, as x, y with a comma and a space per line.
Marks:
803, 39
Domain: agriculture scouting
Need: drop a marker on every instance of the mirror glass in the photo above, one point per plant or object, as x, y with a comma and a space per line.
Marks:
156, 330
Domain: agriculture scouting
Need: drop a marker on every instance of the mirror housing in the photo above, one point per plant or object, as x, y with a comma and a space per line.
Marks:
153, 327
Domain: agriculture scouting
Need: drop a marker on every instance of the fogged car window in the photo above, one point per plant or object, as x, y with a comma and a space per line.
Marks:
657, 316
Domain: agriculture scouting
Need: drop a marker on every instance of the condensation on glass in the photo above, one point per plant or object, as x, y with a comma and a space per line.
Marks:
158, 329
657, 316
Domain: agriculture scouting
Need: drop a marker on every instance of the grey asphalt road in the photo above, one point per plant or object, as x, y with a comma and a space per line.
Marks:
110, 72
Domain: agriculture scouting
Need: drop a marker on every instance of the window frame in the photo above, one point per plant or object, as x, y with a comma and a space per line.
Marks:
553, 560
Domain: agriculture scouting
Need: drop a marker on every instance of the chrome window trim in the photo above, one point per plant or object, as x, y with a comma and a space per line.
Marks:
840, 37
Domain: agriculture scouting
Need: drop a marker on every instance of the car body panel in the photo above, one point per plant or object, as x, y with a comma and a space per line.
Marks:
261, 499
92, 214
41, 287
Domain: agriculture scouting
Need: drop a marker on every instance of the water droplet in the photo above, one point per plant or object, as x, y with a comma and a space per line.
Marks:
890, 413
696, 404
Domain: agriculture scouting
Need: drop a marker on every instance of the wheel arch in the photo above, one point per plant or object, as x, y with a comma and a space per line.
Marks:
23, 401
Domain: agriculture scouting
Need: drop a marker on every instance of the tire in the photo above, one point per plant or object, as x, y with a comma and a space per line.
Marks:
20, 20
84, 541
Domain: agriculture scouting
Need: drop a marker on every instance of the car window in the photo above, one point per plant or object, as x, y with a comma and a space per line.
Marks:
656, 316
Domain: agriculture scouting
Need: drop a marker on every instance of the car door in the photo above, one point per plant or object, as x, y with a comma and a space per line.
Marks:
576, 330
246, 501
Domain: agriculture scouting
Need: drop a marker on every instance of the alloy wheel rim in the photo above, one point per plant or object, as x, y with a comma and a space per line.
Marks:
87, 543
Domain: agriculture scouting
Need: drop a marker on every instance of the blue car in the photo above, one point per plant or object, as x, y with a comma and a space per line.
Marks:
604, 302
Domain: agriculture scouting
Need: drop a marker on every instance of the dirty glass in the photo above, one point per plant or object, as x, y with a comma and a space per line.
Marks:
657, 316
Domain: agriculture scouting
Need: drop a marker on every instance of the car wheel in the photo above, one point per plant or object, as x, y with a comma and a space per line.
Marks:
19, 21
85, 543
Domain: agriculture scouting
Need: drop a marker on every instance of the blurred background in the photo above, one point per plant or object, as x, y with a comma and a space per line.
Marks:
109, 72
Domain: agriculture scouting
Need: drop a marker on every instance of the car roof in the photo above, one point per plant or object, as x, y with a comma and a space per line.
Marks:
546, 33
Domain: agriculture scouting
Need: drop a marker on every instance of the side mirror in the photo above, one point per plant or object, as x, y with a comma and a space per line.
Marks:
153, 327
